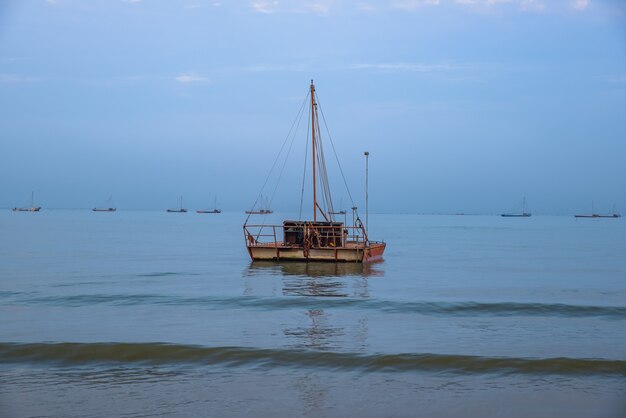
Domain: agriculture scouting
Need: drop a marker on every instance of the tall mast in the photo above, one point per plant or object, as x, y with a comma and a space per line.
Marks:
313, 104
367, 157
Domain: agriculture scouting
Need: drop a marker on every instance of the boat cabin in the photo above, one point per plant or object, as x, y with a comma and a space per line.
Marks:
317, 234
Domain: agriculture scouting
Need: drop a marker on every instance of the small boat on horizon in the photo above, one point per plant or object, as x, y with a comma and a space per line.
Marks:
263, 211
259, 212
107, 206
214, 210
340, 211
593, 213
180, 209
522, 214
31, 208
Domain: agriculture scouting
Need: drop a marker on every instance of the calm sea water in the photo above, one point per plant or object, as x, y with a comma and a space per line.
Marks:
148, 313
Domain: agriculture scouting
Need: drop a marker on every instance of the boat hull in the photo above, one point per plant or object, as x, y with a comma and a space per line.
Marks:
355, 254
598, 216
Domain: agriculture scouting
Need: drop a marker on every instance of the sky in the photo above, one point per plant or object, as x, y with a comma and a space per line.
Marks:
464, 105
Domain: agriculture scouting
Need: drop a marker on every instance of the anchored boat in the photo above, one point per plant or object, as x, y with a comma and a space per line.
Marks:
31, 208
340, 211
180, 209
522, 214
593, 214
262, 211
214, 210
321, 238
106, 206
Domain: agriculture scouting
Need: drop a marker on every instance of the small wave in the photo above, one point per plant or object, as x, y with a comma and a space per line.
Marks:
308, 302
159, 274
164, 354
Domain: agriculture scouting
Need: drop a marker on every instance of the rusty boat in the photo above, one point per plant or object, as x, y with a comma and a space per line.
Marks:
321, 238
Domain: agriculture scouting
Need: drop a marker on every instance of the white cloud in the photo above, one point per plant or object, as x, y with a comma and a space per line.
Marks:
52, 2
16, 78
405, 67
532, 6
198, 5
486, 5
414, 4
366, 7
382, 67
276, 68
265, 6
319, 7
294, 6
482, 2
614, 79
580, 4
189, 78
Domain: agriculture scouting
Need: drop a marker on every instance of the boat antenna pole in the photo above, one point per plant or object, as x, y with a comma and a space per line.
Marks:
313, 104
367, 157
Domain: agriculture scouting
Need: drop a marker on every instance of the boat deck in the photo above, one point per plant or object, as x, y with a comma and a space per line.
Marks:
307, 241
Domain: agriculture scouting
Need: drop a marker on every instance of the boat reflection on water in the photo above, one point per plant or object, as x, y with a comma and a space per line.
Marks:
315, 279
314, 270
318, 326
316, 332
317, 329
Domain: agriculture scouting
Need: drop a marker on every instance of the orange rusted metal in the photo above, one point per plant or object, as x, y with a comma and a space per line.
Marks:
311, 241
313, 104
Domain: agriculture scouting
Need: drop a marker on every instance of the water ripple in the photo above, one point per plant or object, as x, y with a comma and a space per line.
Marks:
304, 302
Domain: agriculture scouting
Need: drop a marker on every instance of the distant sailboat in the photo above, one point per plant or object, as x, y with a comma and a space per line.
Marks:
593, 213
214, 210
180, 209
31, 208
615, 213
340, 211
263, 211
107, 206
522, 214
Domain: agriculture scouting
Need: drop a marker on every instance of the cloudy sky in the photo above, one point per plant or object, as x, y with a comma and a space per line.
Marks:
464, 105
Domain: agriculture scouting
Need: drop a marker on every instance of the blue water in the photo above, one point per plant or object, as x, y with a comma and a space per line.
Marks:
165, 314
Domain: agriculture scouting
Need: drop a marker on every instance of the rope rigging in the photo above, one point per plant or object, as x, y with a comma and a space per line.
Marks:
325, 204
295, 123
306, 159
336, 156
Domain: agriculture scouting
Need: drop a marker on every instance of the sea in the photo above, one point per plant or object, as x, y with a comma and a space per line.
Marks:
148, 313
